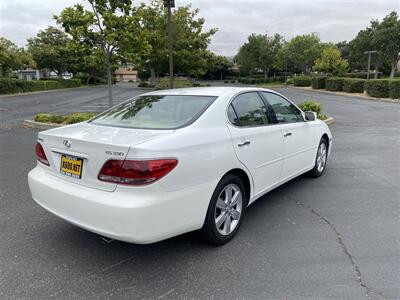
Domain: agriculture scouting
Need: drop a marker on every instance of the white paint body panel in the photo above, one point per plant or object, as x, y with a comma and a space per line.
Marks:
177, 203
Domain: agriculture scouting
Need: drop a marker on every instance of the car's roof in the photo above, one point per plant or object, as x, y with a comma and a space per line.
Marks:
206, 91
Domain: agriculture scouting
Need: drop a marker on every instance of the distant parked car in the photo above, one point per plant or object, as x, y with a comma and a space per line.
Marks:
173, 161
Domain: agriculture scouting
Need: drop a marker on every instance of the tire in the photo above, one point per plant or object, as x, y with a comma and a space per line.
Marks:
321, 159
228, 212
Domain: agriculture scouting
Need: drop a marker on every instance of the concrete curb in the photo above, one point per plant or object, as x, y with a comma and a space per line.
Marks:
389, 100
39, 125
330, 121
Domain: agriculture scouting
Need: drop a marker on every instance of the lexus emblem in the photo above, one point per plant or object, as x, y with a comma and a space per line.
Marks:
67, 144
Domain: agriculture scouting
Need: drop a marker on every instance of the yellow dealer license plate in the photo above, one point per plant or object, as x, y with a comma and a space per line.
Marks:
71, 166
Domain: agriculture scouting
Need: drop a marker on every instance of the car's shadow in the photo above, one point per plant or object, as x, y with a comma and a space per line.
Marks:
77, 238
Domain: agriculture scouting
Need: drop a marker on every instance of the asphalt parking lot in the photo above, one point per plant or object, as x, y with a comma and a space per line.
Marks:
335, 237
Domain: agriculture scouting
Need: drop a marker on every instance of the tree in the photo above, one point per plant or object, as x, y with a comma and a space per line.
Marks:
217, 66
259, 53
331, 62
361, 43
344, 48
107, 26
49, 50
387, 40
12, 57
300, 53
190, 40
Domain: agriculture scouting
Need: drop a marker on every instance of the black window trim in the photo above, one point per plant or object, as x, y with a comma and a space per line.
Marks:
233, 107
274, 119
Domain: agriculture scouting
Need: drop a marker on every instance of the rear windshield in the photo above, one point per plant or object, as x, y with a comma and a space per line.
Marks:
156, 112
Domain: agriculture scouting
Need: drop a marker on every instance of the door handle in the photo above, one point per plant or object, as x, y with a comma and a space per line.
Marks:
243, 143
287, 134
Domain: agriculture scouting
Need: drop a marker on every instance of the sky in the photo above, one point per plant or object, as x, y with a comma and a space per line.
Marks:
332, 20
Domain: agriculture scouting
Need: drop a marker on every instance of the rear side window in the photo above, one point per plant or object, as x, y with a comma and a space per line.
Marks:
285, 111
156, 112
248, 109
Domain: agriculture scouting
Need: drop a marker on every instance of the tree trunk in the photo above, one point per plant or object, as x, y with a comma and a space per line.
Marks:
376, 72
152, 76
394, 63
109, 78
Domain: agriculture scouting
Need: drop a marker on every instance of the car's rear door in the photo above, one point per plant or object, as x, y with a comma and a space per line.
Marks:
257, 142
298, 136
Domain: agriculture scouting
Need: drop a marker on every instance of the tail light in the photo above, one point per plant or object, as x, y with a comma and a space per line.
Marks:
41, 156
136, 172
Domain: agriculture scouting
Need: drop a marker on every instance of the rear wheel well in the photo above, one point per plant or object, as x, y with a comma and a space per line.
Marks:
245, 179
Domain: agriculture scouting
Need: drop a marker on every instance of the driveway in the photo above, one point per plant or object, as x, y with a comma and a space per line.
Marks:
337, 236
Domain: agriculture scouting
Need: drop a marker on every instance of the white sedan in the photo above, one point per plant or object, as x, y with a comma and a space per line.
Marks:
168, 162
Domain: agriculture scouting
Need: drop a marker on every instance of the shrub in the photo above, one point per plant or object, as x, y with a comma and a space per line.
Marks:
289, 81
8, 86
377, 88
302, 81
313, 106
310, 106
143, 84
233, 81
68, 119
394, 89
278, 79
178, 83
334, 84
48, 118
78, 117
226, 81
70, 83
361, 75
353, 85
318, 83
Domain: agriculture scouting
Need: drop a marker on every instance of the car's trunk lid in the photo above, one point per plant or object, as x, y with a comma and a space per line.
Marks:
86, 147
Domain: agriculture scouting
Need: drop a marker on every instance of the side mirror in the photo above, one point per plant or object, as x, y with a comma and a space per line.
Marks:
310, 115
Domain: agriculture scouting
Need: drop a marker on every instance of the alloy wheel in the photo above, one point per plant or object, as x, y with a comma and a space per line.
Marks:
321, 157
228, 209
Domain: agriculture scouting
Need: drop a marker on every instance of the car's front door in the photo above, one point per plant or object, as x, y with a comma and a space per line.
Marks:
299, 141
257, 142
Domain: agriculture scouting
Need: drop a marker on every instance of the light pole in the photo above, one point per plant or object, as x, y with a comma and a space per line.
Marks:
369, 60
170, 4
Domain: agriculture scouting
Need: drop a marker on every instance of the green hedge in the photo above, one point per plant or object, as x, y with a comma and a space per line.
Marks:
334, 84
8, 86
78, 117
394, 89
251, 80
353, 85
377, 88
11, 86
318, 83
73, 118
163, 84
302, 81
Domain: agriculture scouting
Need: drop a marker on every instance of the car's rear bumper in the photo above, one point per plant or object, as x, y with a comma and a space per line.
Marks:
134, 214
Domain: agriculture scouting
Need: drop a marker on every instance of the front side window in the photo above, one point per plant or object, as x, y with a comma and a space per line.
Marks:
285, 111
248, 110
156, 112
